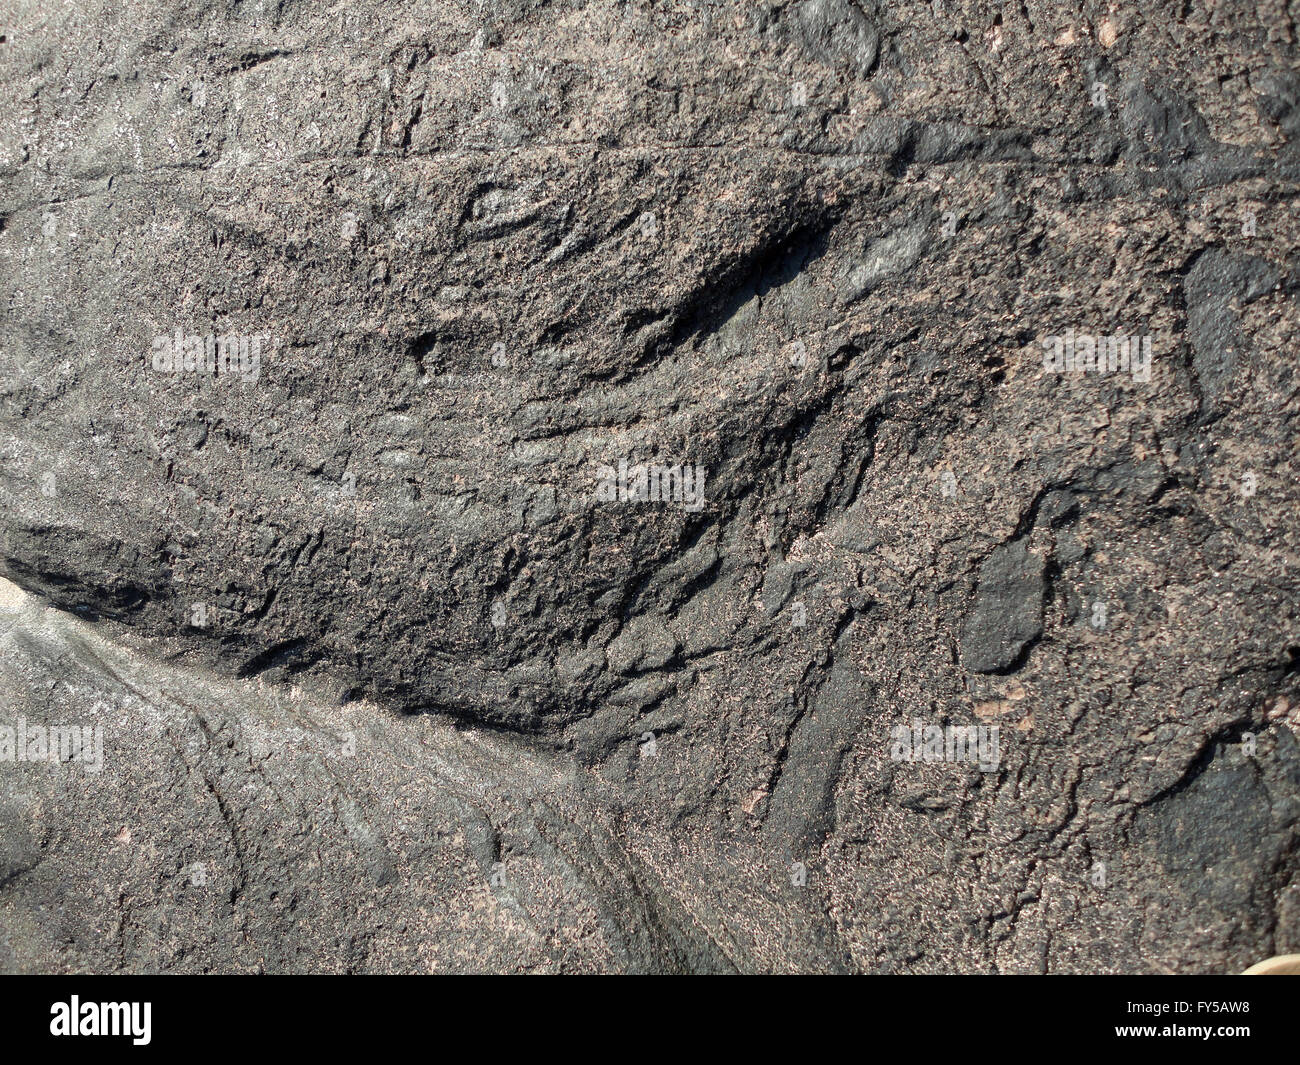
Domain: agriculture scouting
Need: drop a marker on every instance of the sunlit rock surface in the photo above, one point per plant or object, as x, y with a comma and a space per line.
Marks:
335, 338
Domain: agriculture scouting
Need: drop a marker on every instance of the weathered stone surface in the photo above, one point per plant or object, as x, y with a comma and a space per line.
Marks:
1218, 287
815, 250
1008, 613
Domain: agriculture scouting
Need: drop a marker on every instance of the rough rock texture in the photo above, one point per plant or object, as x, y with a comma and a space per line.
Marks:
387, 682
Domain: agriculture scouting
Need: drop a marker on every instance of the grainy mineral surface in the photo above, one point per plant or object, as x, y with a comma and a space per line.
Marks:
681, 486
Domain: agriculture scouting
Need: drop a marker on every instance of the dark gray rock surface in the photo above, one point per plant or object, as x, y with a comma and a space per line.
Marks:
1008, 613
389, 682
